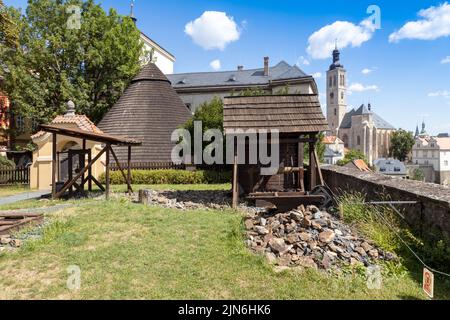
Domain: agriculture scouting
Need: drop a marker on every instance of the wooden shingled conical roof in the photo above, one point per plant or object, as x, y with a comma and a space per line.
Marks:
149, 111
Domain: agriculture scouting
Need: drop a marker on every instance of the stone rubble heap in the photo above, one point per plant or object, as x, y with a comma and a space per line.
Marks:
309, 237
189, 200
8, 243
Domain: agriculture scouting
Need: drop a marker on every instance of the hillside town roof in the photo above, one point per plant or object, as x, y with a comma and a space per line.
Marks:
331, 140
282, 71
379, 122
149, 111
286, 113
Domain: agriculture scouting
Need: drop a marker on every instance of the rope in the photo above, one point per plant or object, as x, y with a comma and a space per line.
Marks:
407, 246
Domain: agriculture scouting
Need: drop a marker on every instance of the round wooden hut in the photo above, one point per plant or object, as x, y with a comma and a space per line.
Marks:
149, 111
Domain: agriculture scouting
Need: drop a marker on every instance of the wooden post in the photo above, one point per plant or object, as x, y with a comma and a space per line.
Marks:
107, 179
129, 169
127, 180
90, 171
54, 167
70, 172
301, 164
82, 159
312, 166
235, 183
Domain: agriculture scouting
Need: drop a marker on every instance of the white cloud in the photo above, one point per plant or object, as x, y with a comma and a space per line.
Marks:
215, 65
445, 60
435, 23
317, 75
366, 71
358, 87
441, 93
322, 42
302, 61
213, 30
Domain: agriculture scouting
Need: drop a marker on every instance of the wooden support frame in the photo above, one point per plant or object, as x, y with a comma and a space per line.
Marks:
235, 182
74, 180
107, 173
127, 178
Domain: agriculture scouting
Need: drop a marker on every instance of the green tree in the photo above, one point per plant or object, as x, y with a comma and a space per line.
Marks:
351, 156
9, 35
54, 63
402, 143
418, 175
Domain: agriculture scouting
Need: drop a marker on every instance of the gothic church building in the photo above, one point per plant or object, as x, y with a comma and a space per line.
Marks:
360, 129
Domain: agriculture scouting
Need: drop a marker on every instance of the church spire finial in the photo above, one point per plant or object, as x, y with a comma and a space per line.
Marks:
132, 16
336, 44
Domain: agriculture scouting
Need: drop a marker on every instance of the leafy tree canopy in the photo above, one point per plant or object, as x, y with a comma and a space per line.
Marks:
54, 63
351, 156
9, 34
402, 143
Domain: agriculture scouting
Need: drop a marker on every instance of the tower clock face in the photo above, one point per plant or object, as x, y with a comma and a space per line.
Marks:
332, 95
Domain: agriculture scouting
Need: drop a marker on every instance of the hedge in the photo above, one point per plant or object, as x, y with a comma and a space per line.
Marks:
142, 177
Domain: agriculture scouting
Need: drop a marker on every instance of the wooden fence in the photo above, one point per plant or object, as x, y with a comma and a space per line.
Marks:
149, 166
20, 175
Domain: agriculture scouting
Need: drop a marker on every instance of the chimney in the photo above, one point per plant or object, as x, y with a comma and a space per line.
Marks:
240, 68
266, 66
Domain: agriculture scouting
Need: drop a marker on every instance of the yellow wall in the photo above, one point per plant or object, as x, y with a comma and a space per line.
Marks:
41, 169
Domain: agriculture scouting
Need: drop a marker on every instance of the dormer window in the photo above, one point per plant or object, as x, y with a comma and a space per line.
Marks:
182, 81
232, 78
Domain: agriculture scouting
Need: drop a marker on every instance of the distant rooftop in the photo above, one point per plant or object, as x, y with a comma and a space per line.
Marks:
379, 122
281, 71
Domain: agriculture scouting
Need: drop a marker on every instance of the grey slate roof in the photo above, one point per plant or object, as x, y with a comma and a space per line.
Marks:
149, 111
379, 122
282, 71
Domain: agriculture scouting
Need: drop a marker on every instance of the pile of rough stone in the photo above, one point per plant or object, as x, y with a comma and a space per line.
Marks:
189, 200
309, 237
8, 243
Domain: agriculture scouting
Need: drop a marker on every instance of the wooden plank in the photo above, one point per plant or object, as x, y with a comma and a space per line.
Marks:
316, 157
18, 215
127, 180
54, 166
107, 177
129, 168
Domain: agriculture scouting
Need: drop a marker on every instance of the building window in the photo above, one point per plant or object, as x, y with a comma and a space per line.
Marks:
335, 111
20, 124
331, 82
446, 163
342, 95
189, 106
335, 80
332, 96
358, 140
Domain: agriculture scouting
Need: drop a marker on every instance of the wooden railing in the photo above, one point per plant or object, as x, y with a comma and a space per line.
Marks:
148, 166
20, 175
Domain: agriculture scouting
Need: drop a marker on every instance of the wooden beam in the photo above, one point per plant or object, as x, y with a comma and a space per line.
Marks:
74, 180
90, 171
54, 167
70, 172
235, 183
316, 157
301, 164
107, 177
129, 168
130, 189
312, 167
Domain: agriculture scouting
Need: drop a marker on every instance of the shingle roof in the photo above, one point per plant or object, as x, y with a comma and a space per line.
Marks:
286, 113
331, 140
282, 71
81, 121
379, 122
149, 111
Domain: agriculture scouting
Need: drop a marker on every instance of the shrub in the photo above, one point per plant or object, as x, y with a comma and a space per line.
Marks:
6, 163
142, 177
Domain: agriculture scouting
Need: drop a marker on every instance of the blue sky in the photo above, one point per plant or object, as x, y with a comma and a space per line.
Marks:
407, 81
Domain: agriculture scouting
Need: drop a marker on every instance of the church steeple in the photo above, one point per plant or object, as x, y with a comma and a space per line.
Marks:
336, 58
417, 132
424, 131
132, 16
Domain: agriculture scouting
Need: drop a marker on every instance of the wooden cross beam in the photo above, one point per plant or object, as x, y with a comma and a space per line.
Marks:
82, 172
127, 178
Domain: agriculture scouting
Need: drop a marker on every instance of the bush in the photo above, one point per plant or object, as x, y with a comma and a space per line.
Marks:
6, 163
142, 177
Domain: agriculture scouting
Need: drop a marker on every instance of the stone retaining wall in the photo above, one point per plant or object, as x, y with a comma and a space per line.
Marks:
430, 218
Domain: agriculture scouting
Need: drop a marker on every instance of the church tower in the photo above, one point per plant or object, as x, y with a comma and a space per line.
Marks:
336, 93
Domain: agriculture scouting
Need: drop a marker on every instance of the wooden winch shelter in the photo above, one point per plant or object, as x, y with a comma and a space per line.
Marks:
299, 120
80, 179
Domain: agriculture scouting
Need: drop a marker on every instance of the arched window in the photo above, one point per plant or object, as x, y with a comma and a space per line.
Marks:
331, 82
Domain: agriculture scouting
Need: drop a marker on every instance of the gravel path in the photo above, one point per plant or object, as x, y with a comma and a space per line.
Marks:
23, 196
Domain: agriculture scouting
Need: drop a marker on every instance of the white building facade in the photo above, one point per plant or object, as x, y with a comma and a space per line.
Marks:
433, 152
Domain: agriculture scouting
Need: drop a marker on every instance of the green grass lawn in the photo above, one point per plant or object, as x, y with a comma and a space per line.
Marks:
129, 251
